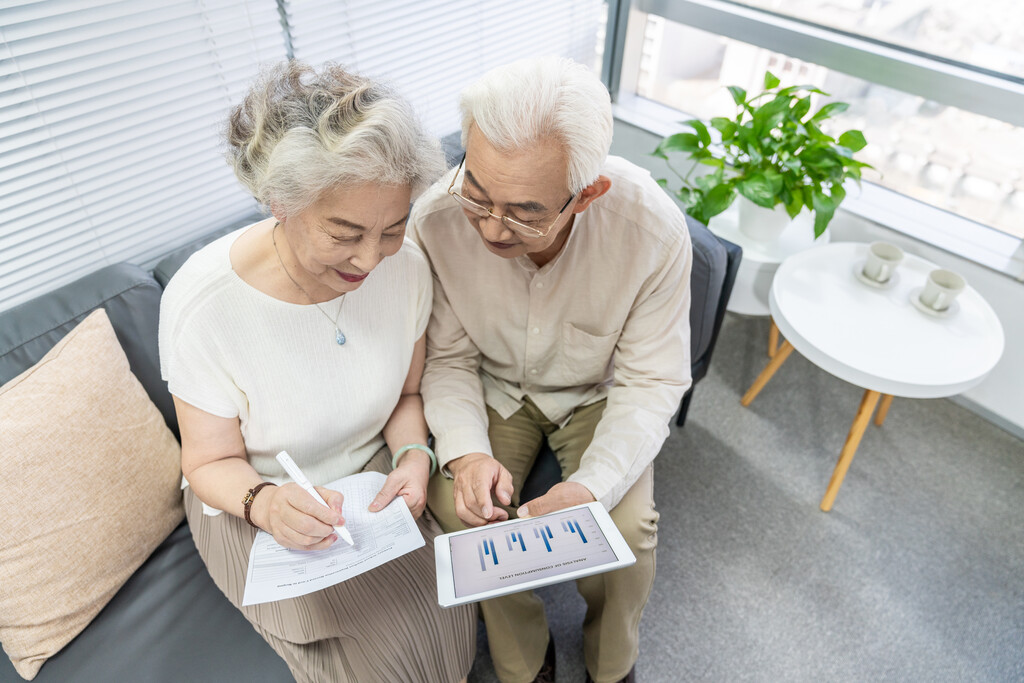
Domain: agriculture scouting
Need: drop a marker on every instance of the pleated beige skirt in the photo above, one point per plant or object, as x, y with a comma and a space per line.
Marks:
384, 625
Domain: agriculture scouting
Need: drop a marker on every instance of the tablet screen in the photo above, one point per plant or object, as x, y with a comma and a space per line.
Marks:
497, 557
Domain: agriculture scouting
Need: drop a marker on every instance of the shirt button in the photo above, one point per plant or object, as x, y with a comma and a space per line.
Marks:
536, 330
540, 285
533, 371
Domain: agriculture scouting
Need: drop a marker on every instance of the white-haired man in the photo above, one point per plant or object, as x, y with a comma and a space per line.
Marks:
561, 311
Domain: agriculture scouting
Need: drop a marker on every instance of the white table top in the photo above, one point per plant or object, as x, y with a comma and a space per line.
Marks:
875, 338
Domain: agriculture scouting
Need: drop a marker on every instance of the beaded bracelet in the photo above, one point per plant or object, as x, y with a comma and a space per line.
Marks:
419, 447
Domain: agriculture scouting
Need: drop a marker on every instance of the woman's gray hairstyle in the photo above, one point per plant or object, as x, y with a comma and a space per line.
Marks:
300, 132
520, 104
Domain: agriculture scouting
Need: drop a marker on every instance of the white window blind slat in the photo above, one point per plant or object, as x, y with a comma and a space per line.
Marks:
112, 113
48, 75
110, 220
181, 126
110, 123
463, 40
118, 178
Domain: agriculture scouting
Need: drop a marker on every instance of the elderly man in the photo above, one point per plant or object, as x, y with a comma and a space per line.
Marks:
561, 311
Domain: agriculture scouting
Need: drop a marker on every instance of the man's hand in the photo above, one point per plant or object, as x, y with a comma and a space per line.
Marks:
562, 495
477, 476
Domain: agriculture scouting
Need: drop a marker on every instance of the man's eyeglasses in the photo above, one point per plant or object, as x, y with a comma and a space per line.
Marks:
510, 223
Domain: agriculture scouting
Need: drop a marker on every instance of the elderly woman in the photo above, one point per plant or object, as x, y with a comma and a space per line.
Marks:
304, 332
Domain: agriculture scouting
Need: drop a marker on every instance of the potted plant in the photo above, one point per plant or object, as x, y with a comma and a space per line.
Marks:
773, 153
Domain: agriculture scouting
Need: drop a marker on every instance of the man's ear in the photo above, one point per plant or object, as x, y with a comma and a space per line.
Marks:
592, 192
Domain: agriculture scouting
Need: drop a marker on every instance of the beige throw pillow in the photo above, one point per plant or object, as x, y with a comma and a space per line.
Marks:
89, 476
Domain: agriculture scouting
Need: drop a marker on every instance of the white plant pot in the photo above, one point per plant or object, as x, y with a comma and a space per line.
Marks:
765, 225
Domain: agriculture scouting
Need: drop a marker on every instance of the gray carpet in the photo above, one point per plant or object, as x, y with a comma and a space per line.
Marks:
917, 574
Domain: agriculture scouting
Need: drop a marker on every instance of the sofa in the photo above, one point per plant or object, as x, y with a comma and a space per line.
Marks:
169, 622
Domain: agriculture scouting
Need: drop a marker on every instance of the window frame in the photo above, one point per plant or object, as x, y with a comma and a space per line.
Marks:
963, 86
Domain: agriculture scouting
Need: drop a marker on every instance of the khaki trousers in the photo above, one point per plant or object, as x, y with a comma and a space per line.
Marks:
517, 629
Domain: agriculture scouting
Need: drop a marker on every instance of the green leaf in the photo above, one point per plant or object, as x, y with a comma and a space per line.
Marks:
755, 155
758, 190
769, 114
830, 109
819, 159
770, 80
800, 110
680, 142
739, 95
817, 134
710, 181
795, 204
824, 209
702, 131
712, 161
721, 124
789, 90
663, 182
853, 139
726, 127
774, 179
658, 153
718, 200
837, 193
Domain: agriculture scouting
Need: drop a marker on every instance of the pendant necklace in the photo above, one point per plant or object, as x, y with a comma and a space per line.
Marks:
339, 336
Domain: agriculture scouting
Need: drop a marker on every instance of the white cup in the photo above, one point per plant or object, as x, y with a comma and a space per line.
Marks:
882, 261
941, 287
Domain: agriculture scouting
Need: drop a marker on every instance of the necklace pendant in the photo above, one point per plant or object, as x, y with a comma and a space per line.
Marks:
339, 336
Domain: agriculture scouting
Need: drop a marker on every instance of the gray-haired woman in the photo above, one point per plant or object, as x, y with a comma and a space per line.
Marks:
304, 332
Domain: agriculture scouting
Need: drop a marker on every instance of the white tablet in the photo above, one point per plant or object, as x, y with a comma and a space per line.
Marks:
522, 554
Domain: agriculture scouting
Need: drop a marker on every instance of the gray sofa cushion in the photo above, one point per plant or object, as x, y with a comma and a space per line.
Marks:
168, 266
131, 298
169, 623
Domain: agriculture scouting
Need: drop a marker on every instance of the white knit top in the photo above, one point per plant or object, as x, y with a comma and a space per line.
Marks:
232, 350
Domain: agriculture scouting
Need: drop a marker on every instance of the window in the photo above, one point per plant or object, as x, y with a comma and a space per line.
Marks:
935, 88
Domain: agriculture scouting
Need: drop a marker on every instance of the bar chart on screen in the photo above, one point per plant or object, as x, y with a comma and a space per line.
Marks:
531, 549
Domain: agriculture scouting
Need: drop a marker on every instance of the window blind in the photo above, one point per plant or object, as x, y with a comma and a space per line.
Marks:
110, 130
111, 112
431, 49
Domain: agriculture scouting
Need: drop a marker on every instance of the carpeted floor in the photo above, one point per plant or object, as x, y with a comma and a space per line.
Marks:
917, 574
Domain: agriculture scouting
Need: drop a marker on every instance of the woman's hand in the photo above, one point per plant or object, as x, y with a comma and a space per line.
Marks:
296, 519
408, 480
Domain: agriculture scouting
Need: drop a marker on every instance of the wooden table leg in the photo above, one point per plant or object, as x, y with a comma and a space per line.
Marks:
883, 409
860, 423
774, 364
773, 339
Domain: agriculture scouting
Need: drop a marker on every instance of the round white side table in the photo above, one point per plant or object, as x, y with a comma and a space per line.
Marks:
874, 337
760, 259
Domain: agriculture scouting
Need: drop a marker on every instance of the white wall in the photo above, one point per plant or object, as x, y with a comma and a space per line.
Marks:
1000, 397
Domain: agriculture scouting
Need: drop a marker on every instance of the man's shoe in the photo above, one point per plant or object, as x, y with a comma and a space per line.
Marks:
630, 677
547, 669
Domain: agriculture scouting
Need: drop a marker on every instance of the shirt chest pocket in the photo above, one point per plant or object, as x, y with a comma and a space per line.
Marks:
586, 357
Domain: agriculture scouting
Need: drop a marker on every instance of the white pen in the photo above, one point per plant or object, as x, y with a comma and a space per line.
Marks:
299, 478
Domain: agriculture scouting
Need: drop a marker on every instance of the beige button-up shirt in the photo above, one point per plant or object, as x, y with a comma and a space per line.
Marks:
608, 317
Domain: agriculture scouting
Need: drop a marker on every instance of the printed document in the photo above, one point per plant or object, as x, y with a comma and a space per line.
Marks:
277, 573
